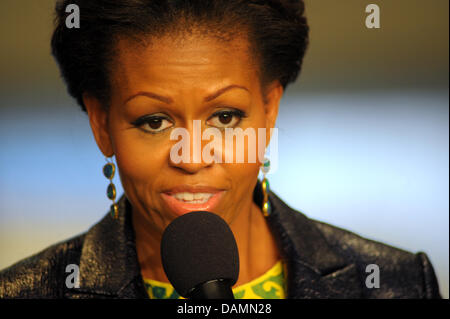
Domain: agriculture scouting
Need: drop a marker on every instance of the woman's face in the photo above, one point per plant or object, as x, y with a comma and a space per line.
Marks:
168, 85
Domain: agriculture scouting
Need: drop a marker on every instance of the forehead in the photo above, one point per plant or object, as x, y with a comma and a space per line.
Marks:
183, 62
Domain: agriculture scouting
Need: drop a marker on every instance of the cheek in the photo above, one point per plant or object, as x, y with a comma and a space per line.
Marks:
249, 170
244, 176
139, 164
262, 137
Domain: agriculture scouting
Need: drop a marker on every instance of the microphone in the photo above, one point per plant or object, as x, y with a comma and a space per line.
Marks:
200, 256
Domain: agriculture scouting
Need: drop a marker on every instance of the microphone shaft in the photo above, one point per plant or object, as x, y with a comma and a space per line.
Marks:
213, 289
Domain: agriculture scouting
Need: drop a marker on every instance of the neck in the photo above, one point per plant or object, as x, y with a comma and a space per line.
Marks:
257, 249
148, 243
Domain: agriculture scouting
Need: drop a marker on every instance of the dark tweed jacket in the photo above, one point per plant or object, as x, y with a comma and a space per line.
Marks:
322, 262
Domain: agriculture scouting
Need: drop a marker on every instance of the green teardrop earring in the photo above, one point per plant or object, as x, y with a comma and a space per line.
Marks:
265, 168
109, 171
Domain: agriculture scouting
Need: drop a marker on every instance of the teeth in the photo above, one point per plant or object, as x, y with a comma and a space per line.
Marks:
193, 198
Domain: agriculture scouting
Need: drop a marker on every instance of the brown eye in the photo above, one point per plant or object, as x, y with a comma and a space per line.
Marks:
153, 123
224, 119
156, 124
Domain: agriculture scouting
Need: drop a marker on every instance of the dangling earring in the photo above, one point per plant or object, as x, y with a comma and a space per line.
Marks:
265, 168
109, 170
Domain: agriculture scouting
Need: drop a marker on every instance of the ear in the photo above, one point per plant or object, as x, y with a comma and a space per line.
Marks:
273, 95
98, 119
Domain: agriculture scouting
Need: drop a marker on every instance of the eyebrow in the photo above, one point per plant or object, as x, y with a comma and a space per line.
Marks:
152, 95
168, 100
223, 90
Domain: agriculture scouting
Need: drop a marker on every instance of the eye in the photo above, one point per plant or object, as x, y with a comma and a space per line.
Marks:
153, 123
226, 118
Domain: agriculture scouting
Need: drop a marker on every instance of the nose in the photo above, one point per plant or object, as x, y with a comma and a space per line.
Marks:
191, 168
186, 151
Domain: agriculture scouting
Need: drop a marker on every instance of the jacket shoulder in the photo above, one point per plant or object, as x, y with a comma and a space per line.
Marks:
402, 274
41, 275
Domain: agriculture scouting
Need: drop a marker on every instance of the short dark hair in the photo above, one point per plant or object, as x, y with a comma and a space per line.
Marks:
276, 29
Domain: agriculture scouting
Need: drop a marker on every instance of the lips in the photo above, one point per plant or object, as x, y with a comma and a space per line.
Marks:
184, 199
193, 198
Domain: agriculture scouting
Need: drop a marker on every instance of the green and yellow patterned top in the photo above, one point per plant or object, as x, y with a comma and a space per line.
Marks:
270, 285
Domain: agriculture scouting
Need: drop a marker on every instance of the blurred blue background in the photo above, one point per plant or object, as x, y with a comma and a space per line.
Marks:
363, 134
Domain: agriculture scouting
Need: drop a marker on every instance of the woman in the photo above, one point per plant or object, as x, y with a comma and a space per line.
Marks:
142, 69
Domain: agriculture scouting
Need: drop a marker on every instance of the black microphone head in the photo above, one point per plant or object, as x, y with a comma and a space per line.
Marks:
198, 247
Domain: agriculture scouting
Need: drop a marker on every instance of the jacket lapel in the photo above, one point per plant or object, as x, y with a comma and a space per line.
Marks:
109, 266
314, 269
108, 262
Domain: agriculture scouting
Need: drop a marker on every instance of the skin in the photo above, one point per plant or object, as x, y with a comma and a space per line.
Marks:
185, 70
